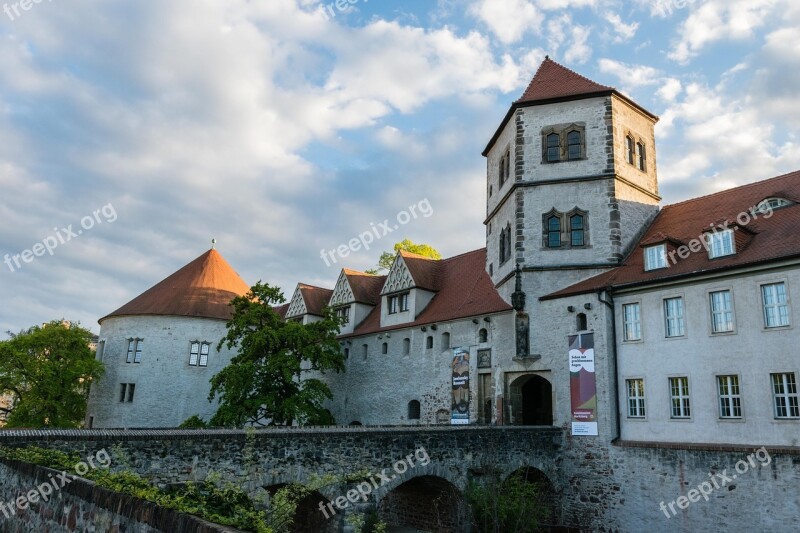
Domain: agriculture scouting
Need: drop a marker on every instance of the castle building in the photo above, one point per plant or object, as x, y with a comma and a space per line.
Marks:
590, 308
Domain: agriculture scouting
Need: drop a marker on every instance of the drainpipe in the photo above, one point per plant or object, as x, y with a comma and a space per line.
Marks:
610, 304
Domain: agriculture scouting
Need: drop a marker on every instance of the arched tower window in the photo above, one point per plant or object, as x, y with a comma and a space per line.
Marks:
553, 148
445, 341
582, 323
554, 231
577, 230
385, 348
413, 410
406, 346
483, 335
574, 145
629, 154
429, 342
641, 157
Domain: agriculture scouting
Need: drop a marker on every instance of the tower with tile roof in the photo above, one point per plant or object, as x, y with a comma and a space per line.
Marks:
160, 349
571, 184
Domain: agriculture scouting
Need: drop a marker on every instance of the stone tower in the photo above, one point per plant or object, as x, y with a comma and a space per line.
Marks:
571, 184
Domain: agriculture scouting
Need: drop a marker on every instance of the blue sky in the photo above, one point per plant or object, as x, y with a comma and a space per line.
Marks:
281, 133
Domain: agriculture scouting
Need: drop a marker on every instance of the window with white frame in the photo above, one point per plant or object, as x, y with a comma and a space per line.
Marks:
673, 317
134, 351
720, 243
784, 388
635, 398
632, 322
776, 306
721, 311
398, 303
655, 257
769, 204
198, 353
730, 400
679, 394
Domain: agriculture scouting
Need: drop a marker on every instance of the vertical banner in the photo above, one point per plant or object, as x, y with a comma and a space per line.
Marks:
582, 384
459, 412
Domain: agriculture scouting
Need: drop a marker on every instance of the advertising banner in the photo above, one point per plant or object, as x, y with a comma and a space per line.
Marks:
459, 413
582, 384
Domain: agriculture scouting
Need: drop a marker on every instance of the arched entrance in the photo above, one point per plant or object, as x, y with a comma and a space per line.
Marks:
425, 503
532, 401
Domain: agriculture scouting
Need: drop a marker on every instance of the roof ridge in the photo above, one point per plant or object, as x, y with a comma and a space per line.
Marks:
737, 188
352, 272
549, 63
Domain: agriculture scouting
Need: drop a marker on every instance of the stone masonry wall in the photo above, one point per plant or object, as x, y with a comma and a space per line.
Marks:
83, 506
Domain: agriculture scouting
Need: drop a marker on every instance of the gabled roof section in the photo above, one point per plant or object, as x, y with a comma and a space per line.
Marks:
422, 270
464, 289
357, 287
204, 288
764, 238
399, 277
308, 299
553, 81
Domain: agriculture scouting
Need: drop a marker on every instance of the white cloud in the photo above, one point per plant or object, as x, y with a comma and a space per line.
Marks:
670, 89
625, 32
509, 20
631, 76
579, 51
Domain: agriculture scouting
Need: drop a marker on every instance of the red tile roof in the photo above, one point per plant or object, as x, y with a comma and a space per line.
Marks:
761, 240
316, 298
366, 287
553, 81
281, 309
463, 289
203, 288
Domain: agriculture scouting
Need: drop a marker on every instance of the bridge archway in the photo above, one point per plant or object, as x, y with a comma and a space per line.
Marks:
426, 503
310, 515
531, 401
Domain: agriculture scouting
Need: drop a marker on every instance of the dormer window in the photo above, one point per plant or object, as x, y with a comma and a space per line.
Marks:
770, 204
655, 257
343, 313
398, 303
720, 243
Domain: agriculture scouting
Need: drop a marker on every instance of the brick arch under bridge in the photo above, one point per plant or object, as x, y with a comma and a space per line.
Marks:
256, 460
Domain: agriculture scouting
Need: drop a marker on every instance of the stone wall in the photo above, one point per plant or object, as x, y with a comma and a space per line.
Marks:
82, 506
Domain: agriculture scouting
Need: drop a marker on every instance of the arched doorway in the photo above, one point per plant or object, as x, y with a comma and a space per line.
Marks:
425, 503
532, 401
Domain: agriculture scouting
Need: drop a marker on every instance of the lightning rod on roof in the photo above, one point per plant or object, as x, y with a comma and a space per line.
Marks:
213, 244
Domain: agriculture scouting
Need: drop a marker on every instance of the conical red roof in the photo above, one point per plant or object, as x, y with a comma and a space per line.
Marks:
203, 288
557, 81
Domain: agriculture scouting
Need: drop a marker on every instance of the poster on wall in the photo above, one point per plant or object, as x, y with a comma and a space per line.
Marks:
582, 384
459, 412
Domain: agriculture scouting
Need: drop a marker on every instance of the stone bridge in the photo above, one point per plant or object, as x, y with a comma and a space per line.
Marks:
425, 470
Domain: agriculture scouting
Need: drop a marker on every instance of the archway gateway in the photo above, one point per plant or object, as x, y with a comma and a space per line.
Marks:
531, 401
425, 503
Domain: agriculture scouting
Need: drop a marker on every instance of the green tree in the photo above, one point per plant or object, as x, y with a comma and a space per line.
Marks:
267, 382
387, 258
514, 504
47, 371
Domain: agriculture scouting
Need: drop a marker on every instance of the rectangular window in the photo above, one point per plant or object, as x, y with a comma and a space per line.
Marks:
122, 388
131, 347
632, 322
679, 393
673, 317
776, 306
641, 158
194, 353
730, 401
204, 354
721, 312
784, 388
553, 148
393, 305
655, 257
131, 390
635, 398
404, 302
720, 243
344, 314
